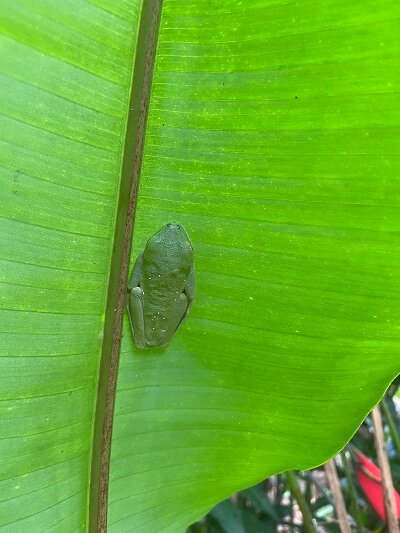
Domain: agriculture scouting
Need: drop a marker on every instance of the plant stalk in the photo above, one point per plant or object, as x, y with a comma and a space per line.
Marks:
334, 485
352, 491
305, 510
387, 482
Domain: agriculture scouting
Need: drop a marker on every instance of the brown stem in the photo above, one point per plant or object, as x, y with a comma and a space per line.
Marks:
301, 501
138, 106
334, 485
352, 491
387, 482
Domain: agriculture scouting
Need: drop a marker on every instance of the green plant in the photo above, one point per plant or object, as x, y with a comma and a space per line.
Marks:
272, 136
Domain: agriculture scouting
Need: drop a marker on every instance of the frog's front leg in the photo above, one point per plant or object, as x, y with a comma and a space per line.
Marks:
135, 305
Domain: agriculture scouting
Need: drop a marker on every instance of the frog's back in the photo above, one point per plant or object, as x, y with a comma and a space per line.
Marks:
167, 262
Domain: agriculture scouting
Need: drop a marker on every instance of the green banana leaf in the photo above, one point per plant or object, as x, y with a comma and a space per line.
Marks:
273, 137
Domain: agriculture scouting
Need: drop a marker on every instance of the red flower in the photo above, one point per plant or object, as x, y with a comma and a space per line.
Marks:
369, 477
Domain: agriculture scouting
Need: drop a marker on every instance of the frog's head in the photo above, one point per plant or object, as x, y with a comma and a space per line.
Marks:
170, 249
174, 231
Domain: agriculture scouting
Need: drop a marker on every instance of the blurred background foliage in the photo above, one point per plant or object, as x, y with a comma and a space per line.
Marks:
271, 505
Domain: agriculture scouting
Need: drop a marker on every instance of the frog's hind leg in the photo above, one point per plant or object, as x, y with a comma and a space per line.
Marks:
176, 319
135, 304
136, 316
